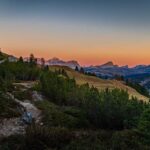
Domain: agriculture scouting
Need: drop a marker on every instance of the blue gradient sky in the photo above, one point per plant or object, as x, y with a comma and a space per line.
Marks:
91, 31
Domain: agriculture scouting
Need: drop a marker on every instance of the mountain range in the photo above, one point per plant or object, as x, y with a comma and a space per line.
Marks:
109, 70
58, 62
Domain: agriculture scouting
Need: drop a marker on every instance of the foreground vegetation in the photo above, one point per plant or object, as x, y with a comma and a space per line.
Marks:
8, 107
65, 139
75, 117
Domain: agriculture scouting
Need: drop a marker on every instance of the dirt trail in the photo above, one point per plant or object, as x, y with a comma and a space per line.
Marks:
29, 107
27, 85
11, 126
36, 113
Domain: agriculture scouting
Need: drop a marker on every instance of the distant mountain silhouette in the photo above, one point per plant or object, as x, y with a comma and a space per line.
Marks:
56, 61
139, 73
108, 65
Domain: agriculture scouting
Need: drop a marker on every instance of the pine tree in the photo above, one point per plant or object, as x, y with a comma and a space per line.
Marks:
42, 62
76, 69
82, 70
20, 59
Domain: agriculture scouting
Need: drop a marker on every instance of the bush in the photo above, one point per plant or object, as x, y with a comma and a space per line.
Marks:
56, 116
41, 138
91, 140
8, 107
38, 138
23, 95
128, 139
14, 142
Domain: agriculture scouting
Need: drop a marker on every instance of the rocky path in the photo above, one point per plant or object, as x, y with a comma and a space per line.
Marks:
29, 107
26, 85
11, 126
15, 125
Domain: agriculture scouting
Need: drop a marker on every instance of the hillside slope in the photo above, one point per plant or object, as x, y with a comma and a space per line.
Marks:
99, 83
3, 56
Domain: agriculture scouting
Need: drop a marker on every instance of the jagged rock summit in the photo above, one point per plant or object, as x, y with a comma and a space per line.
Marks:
108, 65
56, 61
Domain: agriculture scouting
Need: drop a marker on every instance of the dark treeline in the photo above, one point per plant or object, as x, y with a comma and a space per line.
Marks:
141, 89
106, 109
138, 87
16, 71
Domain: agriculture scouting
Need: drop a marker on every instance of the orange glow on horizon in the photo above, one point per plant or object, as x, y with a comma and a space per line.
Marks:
88, 47
88, 58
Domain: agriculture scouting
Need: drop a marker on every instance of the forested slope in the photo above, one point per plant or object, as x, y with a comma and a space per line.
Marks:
73, 116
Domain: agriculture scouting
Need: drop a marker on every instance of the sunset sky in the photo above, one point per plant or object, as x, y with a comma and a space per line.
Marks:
90, 31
